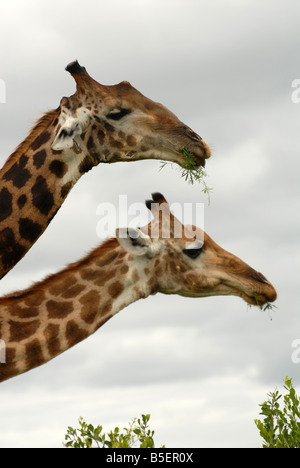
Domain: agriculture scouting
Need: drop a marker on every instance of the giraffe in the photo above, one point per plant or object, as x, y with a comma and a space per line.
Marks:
96, 124
164, 256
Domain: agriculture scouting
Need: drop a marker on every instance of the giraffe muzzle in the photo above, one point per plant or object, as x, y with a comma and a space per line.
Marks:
202, 152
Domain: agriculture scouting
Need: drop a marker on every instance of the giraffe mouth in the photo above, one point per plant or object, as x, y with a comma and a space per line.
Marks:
193, 158
201, 154
197, 162
260, 294
200, 161
258, 299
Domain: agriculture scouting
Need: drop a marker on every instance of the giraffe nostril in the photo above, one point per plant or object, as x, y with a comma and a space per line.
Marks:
259, 277
191, 134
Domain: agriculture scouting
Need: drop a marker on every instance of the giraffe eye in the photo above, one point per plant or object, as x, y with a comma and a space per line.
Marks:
193, 253
118, 114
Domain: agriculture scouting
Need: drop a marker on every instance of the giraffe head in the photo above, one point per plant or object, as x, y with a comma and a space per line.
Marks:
117, 123
186, 261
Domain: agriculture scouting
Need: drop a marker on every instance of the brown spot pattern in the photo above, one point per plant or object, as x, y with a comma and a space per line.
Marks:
124, 269
40, 140
21, 330
89, 274
29, 230
90, 303
109, 257
21, 201
18, 311
86, 165
109, 127
5, 204
18, 174
34, 354
10, 355
73, 291
104, 276
42, 198
66, 189
51, 335
90, 143
135, 275
9, 369
101, 137
74, 334
60, 287
131, 140
11, 251
115, 289
115, 143
59, 168
59, 309
35, 299
39, 158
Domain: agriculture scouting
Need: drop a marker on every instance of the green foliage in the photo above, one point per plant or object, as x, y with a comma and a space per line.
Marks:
280, 428
190, 170
267, 306
87, 436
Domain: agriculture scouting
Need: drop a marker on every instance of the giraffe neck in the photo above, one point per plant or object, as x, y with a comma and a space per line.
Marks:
34, 182
52, 316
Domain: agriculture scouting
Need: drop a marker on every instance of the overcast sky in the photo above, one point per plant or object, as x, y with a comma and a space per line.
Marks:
200, 367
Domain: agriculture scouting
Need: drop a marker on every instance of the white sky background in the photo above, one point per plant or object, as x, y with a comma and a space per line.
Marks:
200, 367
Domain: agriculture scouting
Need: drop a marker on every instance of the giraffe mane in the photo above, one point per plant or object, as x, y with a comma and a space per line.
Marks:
41, 124
39, 286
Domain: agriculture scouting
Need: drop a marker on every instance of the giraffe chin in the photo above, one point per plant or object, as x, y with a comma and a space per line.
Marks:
255, 300
200, 161
201, 154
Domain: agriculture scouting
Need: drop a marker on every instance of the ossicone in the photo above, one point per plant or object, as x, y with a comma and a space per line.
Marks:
75, 68
156, 198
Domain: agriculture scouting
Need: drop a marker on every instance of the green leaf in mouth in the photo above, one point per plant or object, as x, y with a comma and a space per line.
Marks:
191, 171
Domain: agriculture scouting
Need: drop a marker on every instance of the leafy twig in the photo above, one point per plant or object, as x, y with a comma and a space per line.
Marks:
280, 427
87, 436
267, 306
191, 172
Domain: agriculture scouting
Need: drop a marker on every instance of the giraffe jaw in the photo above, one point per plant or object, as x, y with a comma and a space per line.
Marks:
168, 155
253, 299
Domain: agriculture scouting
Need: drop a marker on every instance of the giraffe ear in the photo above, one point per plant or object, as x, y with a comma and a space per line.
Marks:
71, 126
135, 241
